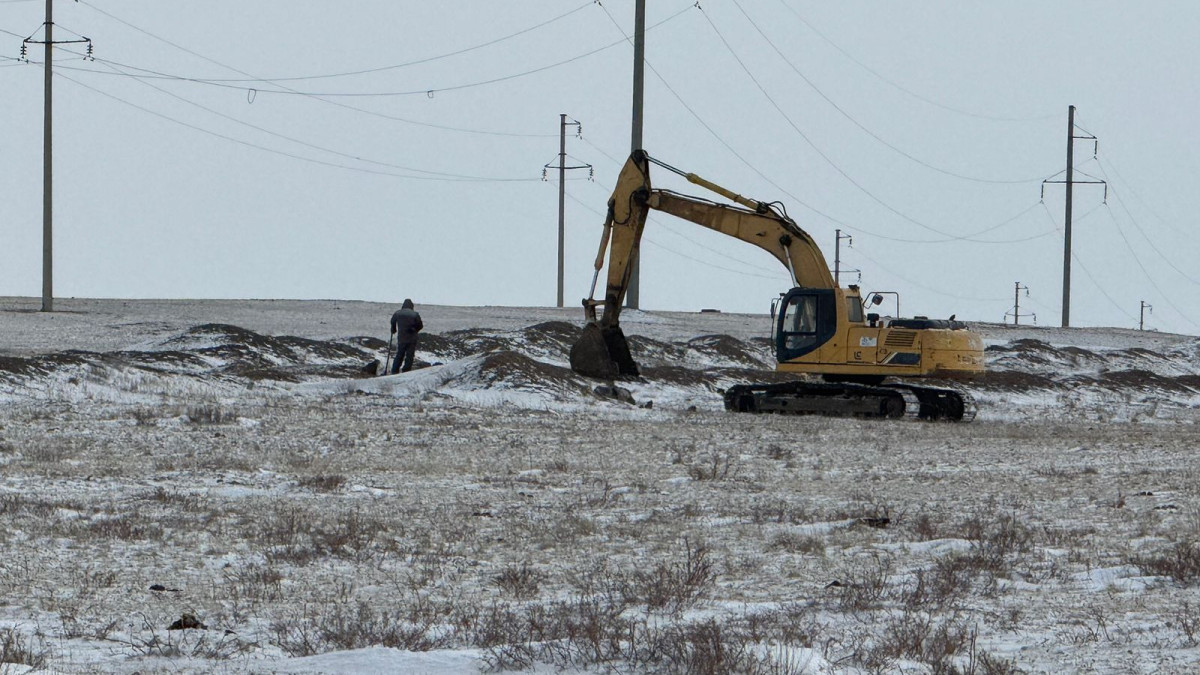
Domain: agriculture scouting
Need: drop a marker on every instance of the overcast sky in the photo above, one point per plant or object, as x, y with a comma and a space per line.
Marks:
250, 164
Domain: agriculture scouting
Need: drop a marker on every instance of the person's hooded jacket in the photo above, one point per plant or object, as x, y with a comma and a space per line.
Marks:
406, 323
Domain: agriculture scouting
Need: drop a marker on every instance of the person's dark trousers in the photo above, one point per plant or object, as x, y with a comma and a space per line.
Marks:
407, 350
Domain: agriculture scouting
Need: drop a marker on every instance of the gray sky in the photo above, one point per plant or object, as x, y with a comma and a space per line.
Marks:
905, 124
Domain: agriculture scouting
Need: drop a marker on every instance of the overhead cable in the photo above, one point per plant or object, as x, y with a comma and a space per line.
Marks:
261, 147
1149, 240
252, 78
787, 118
425, 91
848, 55
1138, 196
741, 158
328, 150
340, 104
1166, 298
1086, 271
867, 131
935, 291
352, 72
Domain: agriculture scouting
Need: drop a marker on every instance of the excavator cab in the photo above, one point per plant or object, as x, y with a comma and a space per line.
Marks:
807, 319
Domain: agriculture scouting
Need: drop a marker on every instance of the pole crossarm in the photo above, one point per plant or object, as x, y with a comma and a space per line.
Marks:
1075, 182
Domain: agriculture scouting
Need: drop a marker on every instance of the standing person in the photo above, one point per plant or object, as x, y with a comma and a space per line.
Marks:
406, 323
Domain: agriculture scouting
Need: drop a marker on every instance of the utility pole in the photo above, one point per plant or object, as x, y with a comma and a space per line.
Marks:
48, 151
1070, 183
837, 255
1016, 312
47, 171
562, 191
632, 292
1142, 315
1017, 303
1066, 291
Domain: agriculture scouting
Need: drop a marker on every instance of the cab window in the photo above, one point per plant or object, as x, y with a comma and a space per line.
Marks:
854, 310
800, 321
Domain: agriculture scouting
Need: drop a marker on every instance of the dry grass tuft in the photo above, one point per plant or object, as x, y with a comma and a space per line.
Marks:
16, 648
519, 581
1181, 562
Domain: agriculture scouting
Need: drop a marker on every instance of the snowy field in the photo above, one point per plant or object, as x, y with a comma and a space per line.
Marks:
225, 468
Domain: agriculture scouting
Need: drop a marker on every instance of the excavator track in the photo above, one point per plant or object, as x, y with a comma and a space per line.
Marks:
941, 403
844, 399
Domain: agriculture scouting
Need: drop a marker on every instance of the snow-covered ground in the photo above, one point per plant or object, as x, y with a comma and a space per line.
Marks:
229, 461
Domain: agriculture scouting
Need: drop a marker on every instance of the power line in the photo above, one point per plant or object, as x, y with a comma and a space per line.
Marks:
152, 74
901, 88
425, 91
856, 228
365, 111
364, 71
1134, 192
1121, 203
712, 132
1086, 271
808, 140
733, 151
329, 150
864, 129
1166, 298
922, 286
254, 145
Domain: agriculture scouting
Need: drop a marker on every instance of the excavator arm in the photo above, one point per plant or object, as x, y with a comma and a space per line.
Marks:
603, 350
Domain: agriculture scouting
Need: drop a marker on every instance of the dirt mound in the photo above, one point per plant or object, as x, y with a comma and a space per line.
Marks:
1143, 380
1029, 354
650, 352
723, 348
549, 339
16, 367
516, 368
1012, 380
228, 341
553, 332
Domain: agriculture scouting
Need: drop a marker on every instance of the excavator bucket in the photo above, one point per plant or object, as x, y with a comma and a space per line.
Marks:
602, 353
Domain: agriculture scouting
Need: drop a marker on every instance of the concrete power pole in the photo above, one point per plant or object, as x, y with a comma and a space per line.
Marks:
562, 192
1066, 293
48, 151
48, 172
1016, 310
1070, 183
1142, 315
633, 292
562, 195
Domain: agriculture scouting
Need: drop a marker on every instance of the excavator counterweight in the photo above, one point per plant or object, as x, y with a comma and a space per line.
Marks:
819, 329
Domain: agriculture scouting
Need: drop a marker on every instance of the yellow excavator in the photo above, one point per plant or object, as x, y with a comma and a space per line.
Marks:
819, 328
